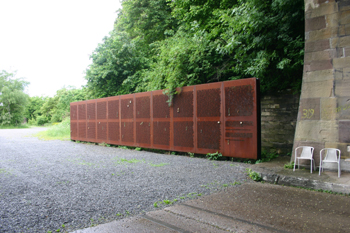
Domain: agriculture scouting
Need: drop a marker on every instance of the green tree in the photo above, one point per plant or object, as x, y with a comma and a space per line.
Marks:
33, 107
164, 44
12, 99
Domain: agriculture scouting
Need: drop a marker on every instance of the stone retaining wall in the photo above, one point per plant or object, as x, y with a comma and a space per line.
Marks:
278, 120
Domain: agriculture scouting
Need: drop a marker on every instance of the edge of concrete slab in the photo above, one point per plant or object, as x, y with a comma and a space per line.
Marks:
304, 182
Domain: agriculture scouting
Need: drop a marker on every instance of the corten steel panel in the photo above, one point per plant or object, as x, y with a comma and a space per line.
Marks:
143, 133
183, 104
91, 110
113, 108
161, 133
242, 120
183, 134
127, 132
102, 131
82, 111
208, 135
208, 102
143, 107
82, 131
102, 110
91, 131
74, 130
161, 107
73, 112
113, 132
208, 113
127, 108
223, 117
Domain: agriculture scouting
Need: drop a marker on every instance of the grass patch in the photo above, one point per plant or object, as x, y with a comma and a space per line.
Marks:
60, 131
22, 126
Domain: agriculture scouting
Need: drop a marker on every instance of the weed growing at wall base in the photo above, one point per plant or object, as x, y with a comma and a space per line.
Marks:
253, 175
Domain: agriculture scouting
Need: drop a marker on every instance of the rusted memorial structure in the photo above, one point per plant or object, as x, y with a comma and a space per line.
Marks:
324, 109
207, 118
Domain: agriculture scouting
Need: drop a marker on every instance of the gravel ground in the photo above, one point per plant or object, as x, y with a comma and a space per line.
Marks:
45, 184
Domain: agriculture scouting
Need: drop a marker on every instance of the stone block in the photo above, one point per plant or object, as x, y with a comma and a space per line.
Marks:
317, 89
316, 10
309, 109
332, 20
319, 75
346, 52
317, 46
322, 55
328, 108
307, 131
346, 29
315, 23
342, 88
344, 17
346, 73
316, 131
344, 131
340, 42
329, 32
328, 131
320, 65
343, 108
343, 5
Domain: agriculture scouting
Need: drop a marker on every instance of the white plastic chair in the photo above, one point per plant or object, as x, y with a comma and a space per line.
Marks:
332, 156
306, 153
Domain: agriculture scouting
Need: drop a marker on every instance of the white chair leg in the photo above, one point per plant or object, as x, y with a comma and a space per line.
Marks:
295, 160
339, 171
319, 173
310, 166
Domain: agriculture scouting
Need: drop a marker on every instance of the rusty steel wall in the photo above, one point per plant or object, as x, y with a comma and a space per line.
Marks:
223, 117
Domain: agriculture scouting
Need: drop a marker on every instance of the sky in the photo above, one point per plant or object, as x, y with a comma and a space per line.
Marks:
49, 42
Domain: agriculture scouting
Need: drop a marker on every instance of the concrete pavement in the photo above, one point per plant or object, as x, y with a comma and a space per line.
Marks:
254, 207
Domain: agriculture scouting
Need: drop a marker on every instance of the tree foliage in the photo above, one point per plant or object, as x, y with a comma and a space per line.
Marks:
163, 44
12, 99
41, 110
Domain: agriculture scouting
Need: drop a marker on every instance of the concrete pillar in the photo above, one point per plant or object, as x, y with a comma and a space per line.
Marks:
324, 109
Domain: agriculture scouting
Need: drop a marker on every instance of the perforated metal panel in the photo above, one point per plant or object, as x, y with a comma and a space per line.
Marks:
206, 118
143, 132
113, 109
143, 107
113, 131
183, 105
127, 132
82, 111
74, 130
101, 110
127, 108
208, 103
102, 131
91, 130
161, 107
161, 133
91, 111
73, 112
183, 134
239, 100
82, 130
209, 135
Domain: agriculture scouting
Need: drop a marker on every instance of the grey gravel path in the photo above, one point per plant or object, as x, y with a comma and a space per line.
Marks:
45, 184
